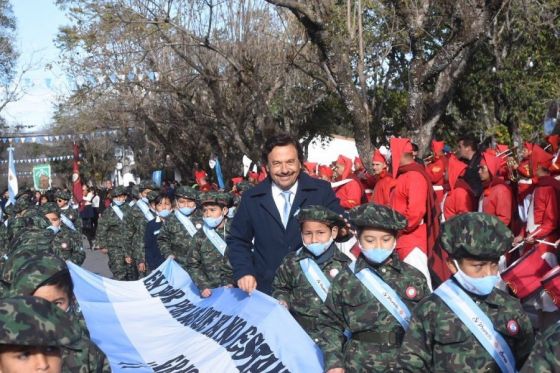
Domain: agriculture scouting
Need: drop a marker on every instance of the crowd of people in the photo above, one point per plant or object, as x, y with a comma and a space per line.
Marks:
384, 271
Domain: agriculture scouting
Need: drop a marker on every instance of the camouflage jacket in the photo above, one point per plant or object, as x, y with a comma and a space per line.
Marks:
110, 231
207, 267
291, 286
545, 356
74, 216
69, 245
174, 239
135, 226
351, 306
438, 341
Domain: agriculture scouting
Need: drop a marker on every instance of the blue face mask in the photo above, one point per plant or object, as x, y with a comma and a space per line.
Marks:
54, 229
213, 222
231, 212
186, 210
480, 286
377, 255
319, 248
118, 203
164, 213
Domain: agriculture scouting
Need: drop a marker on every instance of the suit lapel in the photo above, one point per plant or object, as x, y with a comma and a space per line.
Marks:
267, 202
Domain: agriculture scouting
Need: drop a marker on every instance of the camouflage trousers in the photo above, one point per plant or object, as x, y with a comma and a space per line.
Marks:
122, 270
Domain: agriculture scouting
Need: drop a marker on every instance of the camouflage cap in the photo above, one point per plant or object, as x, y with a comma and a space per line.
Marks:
320, 213
186, 192
244, 186
135, 191
218, 198
22, 204
31, 274
475, 235
377, 216
25, 192
28, 244
32, 321
63, 194
118, 191
147, 184
152, 195
50, 208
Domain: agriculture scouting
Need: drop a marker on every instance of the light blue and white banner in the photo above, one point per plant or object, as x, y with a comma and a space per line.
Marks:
160, 324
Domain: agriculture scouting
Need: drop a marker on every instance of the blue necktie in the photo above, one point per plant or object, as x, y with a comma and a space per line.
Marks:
287, 207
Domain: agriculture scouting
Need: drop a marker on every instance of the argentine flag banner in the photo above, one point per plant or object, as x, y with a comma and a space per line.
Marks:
160, 324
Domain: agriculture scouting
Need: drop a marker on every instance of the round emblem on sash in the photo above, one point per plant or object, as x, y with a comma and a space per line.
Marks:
64, 245
198, 226
512, 327
411, 292
333, 272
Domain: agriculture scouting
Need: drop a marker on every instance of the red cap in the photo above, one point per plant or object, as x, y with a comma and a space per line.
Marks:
326, 171
252, 175
553, 140
347, 162
455, 169
199, 175
551, 284
437, 147
540, 157
358, 164
378, 157
310, 167
501, 148
236, 180
491, 161
398, 146
524, 275
529, 146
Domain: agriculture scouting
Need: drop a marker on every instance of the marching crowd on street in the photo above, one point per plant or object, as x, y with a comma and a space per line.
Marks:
447, 263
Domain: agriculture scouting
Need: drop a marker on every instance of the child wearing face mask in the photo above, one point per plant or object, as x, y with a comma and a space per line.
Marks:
162, 205
303, 279
467, 323
372, 299
207, 263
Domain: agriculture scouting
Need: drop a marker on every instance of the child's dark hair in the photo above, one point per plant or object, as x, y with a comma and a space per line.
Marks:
161, 197
61, 280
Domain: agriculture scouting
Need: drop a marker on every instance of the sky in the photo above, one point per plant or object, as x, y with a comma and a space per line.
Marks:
37, 25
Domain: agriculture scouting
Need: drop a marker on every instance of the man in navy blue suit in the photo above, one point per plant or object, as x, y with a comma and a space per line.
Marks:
265, 228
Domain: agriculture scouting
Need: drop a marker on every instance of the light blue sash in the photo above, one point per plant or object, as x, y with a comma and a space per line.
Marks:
131, 203
384, 294
145, 210
186, 222
67, 222
478, 323
315, 277
215, 238
117, 211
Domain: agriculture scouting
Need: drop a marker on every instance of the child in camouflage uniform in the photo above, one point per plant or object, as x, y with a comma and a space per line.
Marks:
207, 263
33, 335
372, 299
442, 336
111, 237
65, 241
47, 277
298, 285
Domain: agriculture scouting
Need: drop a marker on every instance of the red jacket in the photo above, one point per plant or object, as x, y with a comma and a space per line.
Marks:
497, 200
545, 212
382, 191
409, 197
436, 170
350, 194
458, 201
